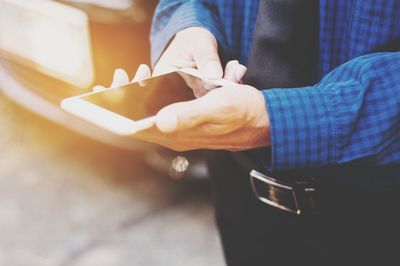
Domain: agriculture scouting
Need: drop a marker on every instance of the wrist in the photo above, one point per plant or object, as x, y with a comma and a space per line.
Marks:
258, 119
262, 122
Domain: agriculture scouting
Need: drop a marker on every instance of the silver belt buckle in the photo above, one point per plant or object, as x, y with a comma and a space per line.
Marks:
270, 191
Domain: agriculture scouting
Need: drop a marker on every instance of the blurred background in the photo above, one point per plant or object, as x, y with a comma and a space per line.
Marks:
71, 193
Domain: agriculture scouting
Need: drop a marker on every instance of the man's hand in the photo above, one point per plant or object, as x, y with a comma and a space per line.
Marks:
230, 118
196, 47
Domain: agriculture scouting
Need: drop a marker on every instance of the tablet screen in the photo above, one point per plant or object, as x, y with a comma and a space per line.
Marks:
136, 101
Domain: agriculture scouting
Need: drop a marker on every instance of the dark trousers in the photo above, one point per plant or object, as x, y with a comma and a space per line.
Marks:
354, 228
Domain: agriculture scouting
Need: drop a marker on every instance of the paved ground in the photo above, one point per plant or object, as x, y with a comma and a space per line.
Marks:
66, 200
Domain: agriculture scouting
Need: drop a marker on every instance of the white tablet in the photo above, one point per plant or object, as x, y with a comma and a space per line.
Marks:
128, 109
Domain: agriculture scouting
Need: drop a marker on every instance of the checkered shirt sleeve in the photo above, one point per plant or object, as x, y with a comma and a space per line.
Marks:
352, 114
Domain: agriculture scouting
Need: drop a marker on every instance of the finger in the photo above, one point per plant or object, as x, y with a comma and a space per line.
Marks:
143, 72
230, 70
185, 115
234, 71
173, 59
120, 78
208, 62
240, 71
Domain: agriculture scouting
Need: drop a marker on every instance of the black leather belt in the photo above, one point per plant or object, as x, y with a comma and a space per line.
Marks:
299, 198
300, 192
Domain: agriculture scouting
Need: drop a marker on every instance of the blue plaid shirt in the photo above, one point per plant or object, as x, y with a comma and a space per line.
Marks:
352, 114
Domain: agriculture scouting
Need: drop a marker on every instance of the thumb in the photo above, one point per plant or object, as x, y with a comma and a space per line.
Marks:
207, 60
183, 115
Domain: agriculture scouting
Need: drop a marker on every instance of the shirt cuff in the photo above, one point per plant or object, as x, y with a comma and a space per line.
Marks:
302, 128
187, 15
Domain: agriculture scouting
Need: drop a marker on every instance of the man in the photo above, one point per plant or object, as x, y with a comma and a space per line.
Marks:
338, 116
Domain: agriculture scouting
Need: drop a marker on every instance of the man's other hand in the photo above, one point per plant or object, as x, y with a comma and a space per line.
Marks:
230, 118
196, 47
